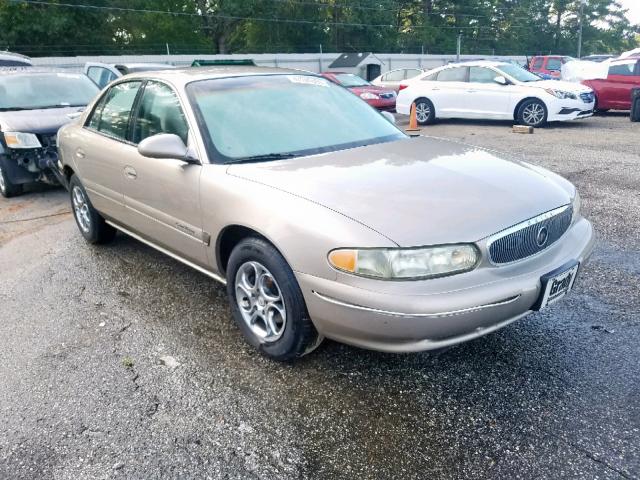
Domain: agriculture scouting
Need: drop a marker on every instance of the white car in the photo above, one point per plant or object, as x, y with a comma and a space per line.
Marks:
494, 91
393, 78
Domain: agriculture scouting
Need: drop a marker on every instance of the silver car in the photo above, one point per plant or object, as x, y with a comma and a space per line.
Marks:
322, 218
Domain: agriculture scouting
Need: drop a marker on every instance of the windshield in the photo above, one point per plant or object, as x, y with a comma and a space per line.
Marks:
350, 80
45, 90
519, 73
282, 116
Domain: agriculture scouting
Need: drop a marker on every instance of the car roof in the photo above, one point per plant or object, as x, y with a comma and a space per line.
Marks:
476, 63
192, 74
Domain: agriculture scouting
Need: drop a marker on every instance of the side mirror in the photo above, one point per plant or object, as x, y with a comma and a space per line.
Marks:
501, 80
165, 145
390, 117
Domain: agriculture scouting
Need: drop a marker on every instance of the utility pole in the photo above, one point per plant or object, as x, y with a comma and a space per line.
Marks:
458, 46
582, 4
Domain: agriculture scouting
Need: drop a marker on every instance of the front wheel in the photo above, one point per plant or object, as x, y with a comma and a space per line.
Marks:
267, 303
91, 224
532, 113
7, 188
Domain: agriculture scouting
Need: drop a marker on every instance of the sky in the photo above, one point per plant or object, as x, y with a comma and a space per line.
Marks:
634, 9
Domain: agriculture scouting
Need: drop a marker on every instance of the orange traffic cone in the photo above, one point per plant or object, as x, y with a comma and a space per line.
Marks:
413, 120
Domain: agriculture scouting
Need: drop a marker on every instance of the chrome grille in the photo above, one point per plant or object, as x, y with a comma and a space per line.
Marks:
587, 97
524, 239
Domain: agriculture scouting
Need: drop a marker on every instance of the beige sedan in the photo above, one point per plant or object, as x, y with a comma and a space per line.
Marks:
322, 218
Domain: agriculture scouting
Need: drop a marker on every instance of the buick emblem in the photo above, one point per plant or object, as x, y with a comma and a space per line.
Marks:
542, 237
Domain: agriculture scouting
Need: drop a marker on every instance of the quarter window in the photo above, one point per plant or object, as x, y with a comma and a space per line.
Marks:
111, 116
101, 76
159, 112
457, 74
481, 75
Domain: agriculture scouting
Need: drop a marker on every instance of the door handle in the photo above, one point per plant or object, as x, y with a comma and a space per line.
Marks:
471, 91
130, 172
80, 153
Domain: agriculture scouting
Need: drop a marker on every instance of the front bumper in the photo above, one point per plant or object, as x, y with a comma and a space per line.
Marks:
431, 314
563, 110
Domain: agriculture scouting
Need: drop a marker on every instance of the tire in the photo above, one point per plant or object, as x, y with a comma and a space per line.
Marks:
262, 286
533, 113
7, 188
91, 224
425, 111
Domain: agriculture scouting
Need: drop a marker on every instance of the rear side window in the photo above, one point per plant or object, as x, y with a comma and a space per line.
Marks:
554, 64
458, 74
111, 115
159, 112
624, 69
537, 63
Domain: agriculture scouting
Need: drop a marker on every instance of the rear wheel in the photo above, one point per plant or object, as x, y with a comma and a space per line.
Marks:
425, 112
532, 113
91, 224
267, 303
7, 188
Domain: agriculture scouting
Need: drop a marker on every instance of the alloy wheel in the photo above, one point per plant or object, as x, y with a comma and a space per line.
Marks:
81, 209
422, 112
533, 114
260, 301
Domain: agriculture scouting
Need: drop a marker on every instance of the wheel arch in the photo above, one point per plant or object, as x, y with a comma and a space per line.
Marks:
230, 236
429, 99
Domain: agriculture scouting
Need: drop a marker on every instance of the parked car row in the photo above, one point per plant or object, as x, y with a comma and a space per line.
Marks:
289, 207
493, 90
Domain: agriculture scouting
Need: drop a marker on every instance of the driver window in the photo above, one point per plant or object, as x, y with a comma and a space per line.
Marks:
159, 112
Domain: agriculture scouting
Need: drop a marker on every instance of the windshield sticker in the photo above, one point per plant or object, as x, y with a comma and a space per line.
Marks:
308, 80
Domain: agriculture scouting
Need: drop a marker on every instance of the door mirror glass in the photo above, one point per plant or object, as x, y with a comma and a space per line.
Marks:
501, 80
165, 145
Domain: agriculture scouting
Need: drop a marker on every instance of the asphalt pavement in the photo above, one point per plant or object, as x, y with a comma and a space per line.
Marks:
118, 362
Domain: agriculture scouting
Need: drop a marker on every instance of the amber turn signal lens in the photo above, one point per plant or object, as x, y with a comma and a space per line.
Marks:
343, 260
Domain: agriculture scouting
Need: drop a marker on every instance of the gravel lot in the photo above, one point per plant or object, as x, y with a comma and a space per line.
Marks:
117, 362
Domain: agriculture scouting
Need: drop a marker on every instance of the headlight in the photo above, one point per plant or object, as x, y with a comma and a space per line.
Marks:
369, 96
406, 264
576, 203
561, 94
21, 140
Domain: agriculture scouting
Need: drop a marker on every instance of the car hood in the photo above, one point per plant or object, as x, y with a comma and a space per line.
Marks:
43, 121
560, 85
420, 191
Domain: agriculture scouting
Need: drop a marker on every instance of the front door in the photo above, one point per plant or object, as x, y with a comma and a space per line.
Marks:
622, 77
162, 196
485, 98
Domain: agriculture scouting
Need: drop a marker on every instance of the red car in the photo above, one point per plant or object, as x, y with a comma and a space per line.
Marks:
615, 90
548, 66
378, 97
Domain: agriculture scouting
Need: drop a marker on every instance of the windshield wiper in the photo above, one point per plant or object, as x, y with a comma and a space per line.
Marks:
262, 158
12, 109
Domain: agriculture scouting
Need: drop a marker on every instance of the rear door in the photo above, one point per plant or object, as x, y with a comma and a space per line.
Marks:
162, 196
100, 147
451, 88
623, 76
484, 97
